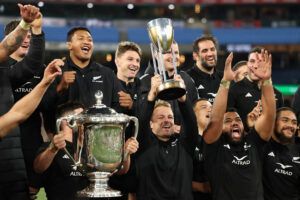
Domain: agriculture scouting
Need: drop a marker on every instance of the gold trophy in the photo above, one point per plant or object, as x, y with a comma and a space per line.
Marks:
161, 34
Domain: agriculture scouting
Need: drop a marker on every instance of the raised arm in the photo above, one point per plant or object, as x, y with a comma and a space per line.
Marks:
214, 128
13, 40
265, 123
25, 106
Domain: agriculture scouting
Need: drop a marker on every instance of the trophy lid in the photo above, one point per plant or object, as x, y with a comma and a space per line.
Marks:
100, 113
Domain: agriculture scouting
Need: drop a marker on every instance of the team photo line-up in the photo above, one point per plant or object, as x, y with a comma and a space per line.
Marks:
201, 133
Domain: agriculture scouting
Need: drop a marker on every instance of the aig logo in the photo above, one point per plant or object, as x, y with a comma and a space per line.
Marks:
241, 161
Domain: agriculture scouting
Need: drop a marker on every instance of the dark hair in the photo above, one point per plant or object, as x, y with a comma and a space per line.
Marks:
281, 109
74, 29
67, 108
203, 38
231, 109
11, 26
238, 65
198, 100
256, 49
126, 46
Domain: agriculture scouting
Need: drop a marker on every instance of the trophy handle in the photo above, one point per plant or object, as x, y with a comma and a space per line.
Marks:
136, 130
136, 126
72, 124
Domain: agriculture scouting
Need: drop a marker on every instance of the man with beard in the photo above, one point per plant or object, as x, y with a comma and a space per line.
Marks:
200, 184
233, 159
281, 175
204, 73
170, 72
245, 94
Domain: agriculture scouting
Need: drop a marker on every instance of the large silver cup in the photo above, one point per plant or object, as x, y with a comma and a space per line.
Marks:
161, 34
99, 135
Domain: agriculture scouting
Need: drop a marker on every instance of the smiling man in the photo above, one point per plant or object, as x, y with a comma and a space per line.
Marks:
82, 77
127, 59
204, 73
282, 159
233, 159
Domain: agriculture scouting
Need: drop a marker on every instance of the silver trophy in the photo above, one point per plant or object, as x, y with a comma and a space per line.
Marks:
161, 34
99, 135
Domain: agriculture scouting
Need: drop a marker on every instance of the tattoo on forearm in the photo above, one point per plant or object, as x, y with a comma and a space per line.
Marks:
13, 41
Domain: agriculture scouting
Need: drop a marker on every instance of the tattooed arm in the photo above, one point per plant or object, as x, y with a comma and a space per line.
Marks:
13, 41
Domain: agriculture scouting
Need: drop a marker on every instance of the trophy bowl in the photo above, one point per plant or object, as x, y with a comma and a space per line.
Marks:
161, 34
170, 89
100, 139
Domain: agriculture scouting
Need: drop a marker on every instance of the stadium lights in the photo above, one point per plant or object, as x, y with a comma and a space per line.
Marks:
130, 6
40, 4
90, 5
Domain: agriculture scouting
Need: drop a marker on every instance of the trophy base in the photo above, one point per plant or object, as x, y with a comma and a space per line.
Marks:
170, 90
98, 187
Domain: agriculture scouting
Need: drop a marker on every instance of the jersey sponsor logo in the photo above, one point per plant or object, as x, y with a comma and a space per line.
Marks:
97, 79
75, 173
66, 156
283, 169
248, 94
23, 90
271, 154
284, 166
226, 146
296, 160
37, 77
200, 87
241, 161
212, 94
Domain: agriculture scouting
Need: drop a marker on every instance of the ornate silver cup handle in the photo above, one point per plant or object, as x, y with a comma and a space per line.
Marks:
72, 124
136, 130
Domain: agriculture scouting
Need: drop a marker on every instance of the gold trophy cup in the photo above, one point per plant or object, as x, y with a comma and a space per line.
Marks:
161, 34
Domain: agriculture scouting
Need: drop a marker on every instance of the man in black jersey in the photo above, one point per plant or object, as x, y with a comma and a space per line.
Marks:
170, 72
233, 159
164, 162
82, 77
245, 94
200, 184
61, 179
204, 73
128, 58
29, 55
281, 175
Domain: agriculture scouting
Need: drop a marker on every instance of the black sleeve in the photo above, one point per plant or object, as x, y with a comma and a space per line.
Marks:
25, 69
144, 136
231, 98
115, 97
296, 102
189, 133
192, 92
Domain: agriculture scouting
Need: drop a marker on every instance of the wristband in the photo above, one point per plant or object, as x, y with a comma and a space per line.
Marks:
225, 84
24, 25
267, 82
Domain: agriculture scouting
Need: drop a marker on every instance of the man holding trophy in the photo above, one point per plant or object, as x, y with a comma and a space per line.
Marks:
165, 56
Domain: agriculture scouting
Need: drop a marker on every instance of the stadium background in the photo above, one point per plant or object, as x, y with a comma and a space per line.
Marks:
238, 25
